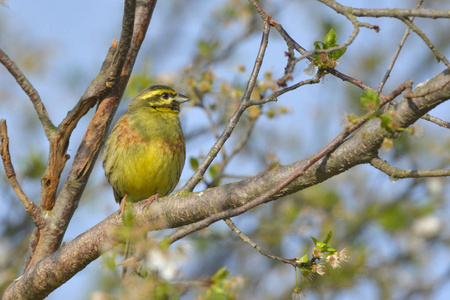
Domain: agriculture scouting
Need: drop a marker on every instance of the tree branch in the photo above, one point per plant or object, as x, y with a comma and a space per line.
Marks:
394, 172
29, 89
31, 208
386, 12
436, 121
423, 36
246, 239
397, 52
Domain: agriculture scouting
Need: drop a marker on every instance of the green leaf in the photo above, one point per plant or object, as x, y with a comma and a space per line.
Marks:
213, 170
369, 100
330, 250
318, 243
315, 240
109, 262
128, 217
194, 163
318, 45
303, 259
386, 122
337, 54
327, 239
330, 39
321, 245
220, 275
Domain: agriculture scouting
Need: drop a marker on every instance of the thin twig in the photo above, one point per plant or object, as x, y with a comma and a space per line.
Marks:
290, 65
213, 125
427, 41
436, 121
32, 93
387, 12
242, 142
276, 94
394, 172
402, 13
350, 79
397, 52
198, 174
32, 209
400, 89
246, 239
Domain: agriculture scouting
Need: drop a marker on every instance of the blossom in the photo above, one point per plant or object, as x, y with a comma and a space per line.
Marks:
317, 252
333, 260
338, 257
297, 294
319, 269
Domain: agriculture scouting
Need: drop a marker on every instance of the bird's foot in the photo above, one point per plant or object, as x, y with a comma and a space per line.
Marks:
150, 200
122, 204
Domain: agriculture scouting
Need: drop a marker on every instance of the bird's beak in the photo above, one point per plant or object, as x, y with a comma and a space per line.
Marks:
180, 98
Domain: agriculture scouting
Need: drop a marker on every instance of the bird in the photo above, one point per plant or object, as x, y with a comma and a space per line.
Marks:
145, 152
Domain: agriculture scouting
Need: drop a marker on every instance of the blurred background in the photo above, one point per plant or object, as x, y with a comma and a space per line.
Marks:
396, 231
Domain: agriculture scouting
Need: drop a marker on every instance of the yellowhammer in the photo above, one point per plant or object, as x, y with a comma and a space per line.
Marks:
145, 151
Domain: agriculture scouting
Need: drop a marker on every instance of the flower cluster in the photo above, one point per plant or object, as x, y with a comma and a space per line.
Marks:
310, 267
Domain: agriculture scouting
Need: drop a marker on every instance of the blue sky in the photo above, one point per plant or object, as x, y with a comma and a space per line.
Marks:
78, 33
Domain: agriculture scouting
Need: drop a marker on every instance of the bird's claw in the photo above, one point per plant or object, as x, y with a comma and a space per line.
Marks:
122, 204
150, 199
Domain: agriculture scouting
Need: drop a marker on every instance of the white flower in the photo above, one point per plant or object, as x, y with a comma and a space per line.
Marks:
342, 255
167, 262
298, 295
333, 260
310, 69
319, 269
428, 227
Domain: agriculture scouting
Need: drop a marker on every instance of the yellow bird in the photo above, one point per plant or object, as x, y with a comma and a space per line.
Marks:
145, 152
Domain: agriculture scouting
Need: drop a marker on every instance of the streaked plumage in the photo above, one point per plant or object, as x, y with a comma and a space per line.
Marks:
145, 151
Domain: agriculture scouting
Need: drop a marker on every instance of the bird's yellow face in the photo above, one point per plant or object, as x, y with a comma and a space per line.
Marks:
160, 98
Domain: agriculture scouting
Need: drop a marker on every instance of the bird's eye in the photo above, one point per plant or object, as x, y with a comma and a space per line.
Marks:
165, 96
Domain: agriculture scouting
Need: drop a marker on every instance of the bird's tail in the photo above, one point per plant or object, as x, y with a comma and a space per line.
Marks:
129, 261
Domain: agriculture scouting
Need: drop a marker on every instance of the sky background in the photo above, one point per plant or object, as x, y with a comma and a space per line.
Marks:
74, 37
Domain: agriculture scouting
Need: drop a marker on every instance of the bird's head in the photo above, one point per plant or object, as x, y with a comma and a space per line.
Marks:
159, 97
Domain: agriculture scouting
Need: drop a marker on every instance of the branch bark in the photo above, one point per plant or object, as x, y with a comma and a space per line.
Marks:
387, 12
29, 89
33, 211
186, 208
